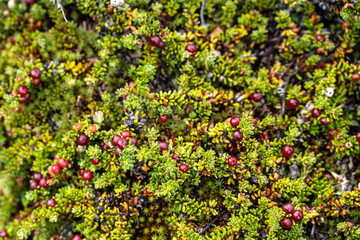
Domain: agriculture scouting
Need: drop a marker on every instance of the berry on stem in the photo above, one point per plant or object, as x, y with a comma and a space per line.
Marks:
55, 169
95, 161
51, 203
134, 141
43, 183
122, 143
237, 135
163, 118
78, 126
126, 134
154, 41
288, 208
87, 175
324, 121
355, 77
163, 146
315, 112
23, 90
176, 157
286, 223
287, 151
33, 185
115, 139
76, 237
35, 73
232, 161
293, 103
320, 37
191, 48
118, 150
358, 137
36, 82
183, 168
148, 191
82, 140
234, 121
25, 98
63, 162
4, 234
297, 216
37, 176
256, 96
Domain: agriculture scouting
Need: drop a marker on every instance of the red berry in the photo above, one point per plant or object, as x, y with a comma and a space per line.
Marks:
320, 37
87, 175
35, 73
287, 151
51, 203
78, 126
126, 134
293, 103
132, 83
115, 139
63, 162
324, 121
32, 185
163, 146
4, 234
232, 161
358, 137
257, 96
43, 183
154, 41
286, 223
163, 118
288, 208
25, 98
118, 150
355, 77
161, 44
55, 169
176, 157
37, 176
36, 82
106, 147
82, 140
122, 143
148, 192
30, 2
237, 135
183, 168
297, 216
315, 112
94, 161
76, 237
23, 90
191, 48
234, 121
134, 141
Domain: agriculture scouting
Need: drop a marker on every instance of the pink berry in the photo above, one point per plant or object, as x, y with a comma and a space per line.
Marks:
320, 37
4, 234
234, 121
76, 237
255, 121
183, 168
232, 161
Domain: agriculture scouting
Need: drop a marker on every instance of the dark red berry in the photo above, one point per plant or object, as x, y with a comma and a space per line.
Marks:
126, 134
4, 234
82, 140
43, 183
25, 98
320, 37
331, 134
293, 103
87, 175
122, 143
257, 96
163, 118
23, 90
237, 135
163, 146
51, 203
55, 169
161, 44
287, 151
324, 121
118, 150
286, 223
148, 192
37, 176
63, 162
232, 161
358, 137
183, 168
176, 157
154, 41
315, 112
36, 82
35, 73
95, 161
115, 139
106, 146
288, 208
33, 185
134, 141
234, 121
191, 48
76, 237
297, 216
30, 2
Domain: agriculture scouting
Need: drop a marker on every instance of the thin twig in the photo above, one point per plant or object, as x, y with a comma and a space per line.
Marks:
62, 9
202, 13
